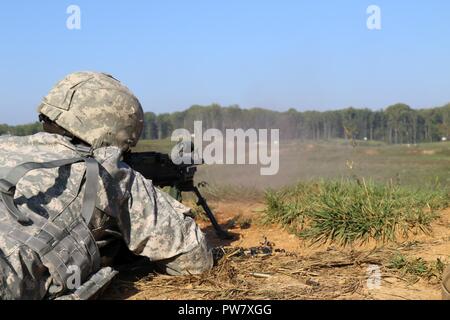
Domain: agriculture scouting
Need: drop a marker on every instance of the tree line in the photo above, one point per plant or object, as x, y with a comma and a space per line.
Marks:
397, 123
20, 130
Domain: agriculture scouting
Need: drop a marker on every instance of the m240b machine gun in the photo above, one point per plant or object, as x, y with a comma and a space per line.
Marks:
160, 168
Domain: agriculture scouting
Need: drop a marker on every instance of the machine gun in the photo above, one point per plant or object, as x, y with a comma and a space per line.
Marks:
163, 172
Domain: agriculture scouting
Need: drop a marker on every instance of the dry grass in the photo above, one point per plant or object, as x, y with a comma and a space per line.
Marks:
251, 274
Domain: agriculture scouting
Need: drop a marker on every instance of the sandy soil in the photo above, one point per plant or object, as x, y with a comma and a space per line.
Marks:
296, 269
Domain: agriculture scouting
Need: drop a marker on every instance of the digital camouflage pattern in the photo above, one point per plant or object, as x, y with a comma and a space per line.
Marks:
129, 209
96, 108
446, 284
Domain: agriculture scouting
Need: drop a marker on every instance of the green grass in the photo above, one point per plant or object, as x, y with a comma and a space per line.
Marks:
346, 211
414, 269
164, 146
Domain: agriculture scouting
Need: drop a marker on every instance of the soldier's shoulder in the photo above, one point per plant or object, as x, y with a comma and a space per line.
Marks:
38, 138
45, 143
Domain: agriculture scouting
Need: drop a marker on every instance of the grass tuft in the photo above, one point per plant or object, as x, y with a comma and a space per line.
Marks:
416, 268
346, 211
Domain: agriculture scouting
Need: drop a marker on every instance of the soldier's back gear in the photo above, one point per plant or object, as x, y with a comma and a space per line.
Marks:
37, 239
63, 248
37, 257
95, 108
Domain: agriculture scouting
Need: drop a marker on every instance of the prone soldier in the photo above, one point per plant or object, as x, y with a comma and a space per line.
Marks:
68, 200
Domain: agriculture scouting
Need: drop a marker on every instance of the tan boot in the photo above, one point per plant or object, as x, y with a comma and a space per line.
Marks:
446, 284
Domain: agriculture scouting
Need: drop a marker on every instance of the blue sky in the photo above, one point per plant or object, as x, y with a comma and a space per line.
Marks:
273, 54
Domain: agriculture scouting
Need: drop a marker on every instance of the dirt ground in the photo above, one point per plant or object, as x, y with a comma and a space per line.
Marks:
267, 262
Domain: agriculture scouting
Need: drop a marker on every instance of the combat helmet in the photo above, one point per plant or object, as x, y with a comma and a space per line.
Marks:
96, 108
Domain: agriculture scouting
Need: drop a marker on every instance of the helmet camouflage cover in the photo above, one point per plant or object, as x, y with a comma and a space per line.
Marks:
96, 108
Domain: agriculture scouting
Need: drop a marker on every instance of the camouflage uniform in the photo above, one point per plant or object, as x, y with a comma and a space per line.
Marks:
446, 284
128, 209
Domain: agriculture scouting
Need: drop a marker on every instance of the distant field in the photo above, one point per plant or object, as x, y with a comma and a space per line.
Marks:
422, 165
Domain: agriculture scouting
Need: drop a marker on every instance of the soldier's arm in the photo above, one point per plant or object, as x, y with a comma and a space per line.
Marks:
161, 230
